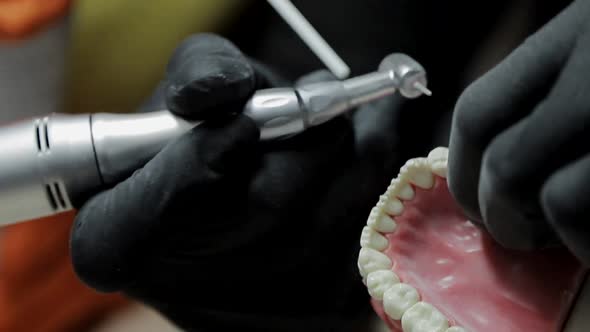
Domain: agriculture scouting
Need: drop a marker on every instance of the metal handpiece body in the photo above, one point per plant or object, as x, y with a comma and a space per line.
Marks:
50, 164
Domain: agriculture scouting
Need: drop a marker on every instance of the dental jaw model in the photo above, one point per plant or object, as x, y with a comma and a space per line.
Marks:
428, 269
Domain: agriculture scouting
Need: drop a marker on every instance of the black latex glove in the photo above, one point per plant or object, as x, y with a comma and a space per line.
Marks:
519, 160
220, 231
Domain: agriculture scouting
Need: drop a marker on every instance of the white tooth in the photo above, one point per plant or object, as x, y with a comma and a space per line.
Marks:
423, 317
380, 281
392, 188
404, 170
382, 223
398, 299
372, 239
437, 159
375, 213
382, 201
405, 192
417, 171
439, 168
456, 329
371, 260
421, 177
440, 153
414, 162
394, 207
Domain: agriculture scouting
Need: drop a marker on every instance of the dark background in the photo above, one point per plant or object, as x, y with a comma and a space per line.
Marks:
446, 37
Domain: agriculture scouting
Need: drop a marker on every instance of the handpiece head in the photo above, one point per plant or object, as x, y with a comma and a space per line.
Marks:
408, 74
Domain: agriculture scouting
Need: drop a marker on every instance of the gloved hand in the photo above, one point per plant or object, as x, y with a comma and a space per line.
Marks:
519, 161
220, 231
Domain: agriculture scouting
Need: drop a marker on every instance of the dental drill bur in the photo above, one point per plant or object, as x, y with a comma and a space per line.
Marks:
48, 163
285, 111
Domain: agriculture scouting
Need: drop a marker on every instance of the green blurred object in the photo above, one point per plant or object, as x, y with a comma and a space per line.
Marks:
119, 48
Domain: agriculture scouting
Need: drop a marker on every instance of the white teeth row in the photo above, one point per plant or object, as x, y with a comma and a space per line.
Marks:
381, 281
423, 317
371, 260
400, 301
371, 238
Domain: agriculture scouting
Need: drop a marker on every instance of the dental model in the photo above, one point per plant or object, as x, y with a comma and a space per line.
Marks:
428, 269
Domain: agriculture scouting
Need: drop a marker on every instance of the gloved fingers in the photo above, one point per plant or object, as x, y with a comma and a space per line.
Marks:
208, 76
377, 130
288, 167
309, 160
508, 201
318, 143
518, 161
117, 228
565, 199
309, 155
374, 125
502, 97
267, 76
156, 101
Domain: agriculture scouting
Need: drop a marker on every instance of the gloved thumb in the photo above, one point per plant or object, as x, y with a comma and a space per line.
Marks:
208, 76
115, 231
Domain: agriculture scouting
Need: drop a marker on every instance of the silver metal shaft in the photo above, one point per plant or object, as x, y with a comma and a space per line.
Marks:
49, 164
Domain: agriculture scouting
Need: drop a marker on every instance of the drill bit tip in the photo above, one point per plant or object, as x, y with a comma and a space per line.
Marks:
420, 87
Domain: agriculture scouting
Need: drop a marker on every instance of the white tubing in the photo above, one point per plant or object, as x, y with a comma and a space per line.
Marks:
311, 37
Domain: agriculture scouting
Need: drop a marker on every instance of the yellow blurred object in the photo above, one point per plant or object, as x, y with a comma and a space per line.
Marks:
120, 47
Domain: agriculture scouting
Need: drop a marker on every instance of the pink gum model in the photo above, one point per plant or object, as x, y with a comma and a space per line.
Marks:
428, 269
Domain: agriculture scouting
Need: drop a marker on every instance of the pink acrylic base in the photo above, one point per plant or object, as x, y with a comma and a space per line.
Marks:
477, 284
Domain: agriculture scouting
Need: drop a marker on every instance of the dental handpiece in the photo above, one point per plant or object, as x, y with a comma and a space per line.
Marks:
49, 164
